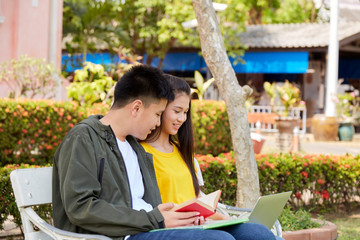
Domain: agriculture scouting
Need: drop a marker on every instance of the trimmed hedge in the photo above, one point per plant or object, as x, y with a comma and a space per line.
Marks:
328, 181
211, 127
31, 130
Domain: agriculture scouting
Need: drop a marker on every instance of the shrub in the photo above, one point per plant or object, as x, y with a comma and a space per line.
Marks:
36, 127
223, 167
29, 77
30, 131
329, 181
296, 220
211, 127
91, 85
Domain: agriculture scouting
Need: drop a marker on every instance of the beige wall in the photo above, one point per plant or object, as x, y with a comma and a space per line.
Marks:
26, 30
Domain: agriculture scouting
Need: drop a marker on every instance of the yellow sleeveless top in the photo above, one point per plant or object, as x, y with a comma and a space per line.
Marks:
172, 174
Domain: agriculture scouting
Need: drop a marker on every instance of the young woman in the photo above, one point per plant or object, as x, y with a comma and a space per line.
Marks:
172, 148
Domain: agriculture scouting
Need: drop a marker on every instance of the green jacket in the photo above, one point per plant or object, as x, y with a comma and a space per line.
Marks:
91, 192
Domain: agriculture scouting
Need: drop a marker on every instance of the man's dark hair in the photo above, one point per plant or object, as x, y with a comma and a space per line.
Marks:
142, 82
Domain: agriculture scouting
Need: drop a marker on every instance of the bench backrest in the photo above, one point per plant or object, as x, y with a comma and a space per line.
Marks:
32, 186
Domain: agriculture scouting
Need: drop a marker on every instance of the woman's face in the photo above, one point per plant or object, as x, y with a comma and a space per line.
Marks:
175, 114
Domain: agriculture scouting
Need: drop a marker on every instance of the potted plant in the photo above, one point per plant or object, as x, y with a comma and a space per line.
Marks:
348, 113
288, 95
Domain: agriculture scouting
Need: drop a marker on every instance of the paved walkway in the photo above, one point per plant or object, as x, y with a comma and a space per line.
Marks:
310, 146
10, 231
331, 148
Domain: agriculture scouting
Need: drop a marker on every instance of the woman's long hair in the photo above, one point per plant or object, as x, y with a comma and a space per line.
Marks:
184, 140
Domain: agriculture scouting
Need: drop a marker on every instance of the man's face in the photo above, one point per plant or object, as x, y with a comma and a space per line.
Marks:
149, 119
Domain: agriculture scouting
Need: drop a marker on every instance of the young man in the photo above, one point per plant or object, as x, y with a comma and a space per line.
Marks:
103, 181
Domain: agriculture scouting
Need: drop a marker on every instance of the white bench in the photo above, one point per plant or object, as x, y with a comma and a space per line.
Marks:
33, 187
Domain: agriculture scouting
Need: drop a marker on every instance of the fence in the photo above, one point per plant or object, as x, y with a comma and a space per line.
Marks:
265, 116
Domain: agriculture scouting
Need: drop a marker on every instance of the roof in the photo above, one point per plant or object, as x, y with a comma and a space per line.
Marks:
301, 35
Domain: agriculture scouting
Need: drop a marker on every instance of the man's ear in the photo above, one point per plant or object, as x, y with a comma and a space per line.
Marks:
136, 107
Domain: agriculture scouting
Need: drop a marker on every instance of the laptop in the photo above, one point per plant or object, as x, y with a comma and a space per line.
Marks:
268, 208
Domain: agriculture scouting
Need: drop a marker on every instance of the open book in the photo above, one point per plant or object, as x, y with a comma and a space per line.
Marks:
205, 205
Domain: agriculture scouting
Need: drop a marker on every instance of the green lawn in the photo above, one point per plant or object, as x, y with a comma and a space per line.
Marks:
348, 225
348, 228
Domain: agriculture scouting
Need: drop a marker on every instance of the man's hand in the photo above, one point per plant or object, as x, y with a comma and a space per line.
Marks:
179, 219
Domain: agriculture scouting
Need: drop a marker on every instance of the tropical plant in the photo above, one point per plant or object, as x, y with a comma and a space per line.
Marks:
288, 94
91, 85
270, 89
201, 86
29, 77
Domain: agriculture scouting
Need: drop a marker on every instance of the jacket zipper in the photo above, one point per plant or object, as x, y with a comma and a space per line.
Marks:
101, 172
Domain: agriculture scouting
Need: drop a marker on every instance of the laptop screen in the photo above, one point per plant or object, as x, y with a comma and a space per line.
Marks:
268, 208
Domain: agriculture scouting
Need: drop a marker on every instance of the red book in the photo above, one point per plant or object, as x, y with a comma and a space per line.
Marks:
205, 205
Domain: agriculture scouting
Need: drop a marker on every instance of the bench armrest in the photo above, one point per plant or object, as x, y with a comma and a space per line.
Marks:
54, 232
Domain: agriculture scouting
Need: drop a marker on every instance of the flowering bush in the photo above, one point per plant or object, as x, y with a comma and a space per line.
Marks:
211, 127
30, 131
223, 167
325, 180
329, 181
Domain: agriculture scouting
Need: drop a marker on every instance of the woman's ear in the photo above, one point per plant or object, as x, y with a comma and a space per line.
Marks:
136, 107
